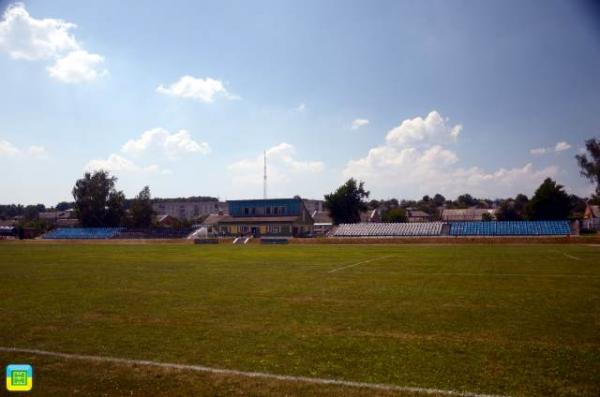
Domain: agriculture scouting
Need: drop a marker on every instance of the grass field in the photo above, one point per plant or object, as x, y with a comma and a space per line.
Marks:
520, 320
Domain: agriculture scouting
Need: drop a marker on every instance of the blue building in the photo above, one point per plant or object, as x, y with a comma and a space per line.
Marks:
268, 217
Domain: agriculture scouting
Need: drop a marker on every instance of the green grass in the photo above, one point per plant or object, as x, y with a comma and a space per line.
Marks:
507, 319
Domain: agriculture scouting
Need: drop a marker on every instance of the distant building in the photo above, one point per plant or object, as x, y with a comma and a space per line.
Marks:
323, 222
268, 217
591, 217
370, 216
65, 218
314, 205
166, 221
415, 216
188, 210
211, 223
467, 214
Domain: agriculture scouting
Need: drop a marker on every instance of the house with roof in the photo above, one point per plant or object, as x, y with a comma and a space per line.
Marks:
211, 223
591, 217
323, 222
187, 209
266, 217
415, 216
467, 214
165, 220
370, 216
66, 218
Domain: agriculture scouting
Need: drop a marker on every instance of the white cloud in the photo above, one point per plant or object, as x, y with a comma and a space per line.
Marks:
300, 108
78, 66
399, 168
156, 142
538, 151
559, 147
171, 144
418, 129
37, 151
282, 166
7, 149
204, 90
357, 123
27, 38
24, 37
116, 163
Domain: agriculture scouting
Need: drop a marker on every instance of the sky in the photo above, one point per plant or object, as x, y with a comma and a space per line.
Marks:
411, 97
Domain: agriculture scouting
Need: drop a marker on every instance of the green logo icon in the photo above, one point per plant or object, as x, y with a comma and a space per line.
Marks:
19, 377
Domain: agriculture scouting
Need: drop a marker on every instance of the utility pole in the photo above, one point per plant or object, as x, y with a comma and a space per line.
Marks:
265, 176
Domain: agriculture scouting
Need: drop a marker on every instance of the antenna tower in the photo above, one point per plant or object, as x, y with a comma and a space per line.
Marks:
265, 176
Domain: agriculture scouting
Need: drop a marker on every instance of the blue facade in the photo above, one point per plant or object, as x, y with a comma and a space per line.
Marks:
268, 207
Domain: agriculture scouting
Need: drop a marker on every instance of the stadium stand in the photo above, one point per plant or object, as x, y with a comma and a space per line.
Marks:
82, 233
155, 233
388, 229
510, 228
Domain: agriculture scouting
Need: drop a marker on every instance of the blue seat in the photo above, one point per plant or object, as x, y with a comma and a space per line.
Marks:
510, 228
82, 233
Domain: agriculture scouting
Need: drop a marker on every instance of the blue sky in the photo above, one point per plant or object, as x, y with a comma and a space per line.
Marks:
413, 97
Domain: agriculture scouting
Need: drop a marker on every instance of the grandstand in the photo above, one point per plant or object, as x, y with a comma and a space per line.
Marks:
388, 229
155, 233
456, 229
510, 228
424, 229
82, 233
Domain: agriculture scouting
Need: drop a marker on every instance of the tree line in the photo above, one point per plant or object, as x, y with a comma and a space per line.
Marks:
549, 202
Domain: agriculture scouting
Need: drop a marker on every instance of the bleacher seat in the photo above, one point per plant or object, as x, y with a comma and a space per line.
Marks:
82, 233
510, 228
388, 229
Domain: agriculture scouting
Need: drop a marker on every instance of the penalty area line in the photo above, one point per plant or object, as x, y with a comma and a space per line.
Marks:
359, 263
233, 372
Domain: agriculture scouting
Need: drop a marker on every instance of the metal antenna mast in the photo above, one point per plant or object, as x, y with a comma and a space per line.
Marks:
265, 176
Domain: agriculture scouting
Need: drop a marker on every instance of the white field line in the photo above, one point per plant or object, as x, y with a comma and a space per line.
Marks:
571, 256
233, 372
359, 263
568, 256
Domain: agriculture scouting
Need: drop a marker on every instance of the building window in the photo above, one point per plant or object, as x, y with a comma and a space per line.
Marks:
246, 211
282, 211
196, 210
253, 211
275, 210
274, 229
268, 210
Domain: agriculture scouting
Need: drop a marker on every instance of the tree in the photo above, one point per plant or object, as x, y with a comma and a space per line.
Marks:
63, 206
141, 209
487, 217
115, 209
373, 204
97, 202
590, 167
550, 202
395, 215
346, 203
31, 212
466, 201
439, 200
577, 205
513, 209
